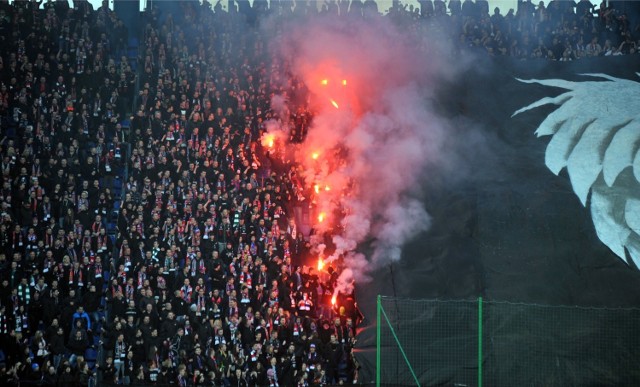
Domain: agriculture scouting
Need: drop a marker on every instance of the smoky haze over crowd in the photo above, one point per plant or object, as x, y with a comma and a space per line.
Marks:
375, 136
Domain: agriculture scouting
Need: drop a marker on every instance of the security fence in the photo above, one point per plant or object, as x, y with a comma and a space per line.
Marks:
479, 342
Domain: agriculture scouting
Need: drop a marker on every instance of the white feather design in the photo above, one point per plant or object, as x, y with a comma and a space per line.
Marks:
596, 136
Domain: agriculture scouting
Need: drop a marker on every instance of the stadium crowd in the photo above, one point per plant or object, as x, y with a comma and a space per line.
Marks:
561, 30
147, 236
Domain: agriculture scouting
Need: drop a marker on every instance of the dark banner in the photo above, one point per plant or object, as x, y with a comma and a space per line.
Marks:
547, 211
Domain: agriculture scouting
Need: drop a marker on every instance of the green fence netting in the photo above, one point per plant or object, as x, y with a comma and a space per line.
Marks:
476, 342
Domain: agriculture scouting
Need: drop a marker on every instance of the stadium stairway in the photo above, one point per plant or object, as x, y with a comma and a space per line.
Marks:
132, 53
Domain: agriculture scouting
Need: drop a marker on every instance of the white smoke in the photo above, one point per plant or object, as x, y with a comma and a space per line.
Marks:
279, 105
374, 130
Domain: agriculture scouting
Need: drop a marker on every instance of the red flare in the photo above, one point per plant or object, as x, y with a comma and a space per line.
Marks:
268, 140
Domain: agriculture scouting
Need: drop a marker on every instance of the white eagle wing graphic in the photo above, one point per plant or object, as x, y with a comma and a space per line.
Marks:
596, 136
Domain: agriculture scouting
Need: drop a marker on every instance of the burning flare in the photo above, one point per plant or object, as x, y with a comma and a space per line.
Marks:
333, 299
315, 155
321, 217
320, 264
335, 104
268, 140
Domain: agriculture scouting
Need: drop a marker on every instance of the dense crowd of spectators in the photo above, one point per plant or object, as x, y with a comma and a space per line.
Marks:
555, 30
147, 236
561, 30
199, 277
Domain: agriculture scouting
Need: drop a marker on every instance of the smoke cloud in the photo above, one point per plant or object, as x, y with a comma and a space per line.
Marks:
375, 135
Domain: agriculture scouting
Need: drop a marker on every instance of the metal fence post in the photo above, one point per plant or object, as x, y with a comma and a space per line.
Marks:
479, 341
378, 338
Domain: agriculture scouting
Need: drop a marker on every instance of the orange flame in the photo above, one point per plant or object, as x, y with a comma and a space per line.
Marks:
327, 188
316, 188
335, 104
320, 264
321, 217
333, 299
344, 82
324, 82
315, 155
268, 140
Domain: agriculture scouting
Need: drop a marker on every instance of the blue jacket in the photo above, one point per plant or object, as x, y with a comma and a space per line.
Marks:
83, 315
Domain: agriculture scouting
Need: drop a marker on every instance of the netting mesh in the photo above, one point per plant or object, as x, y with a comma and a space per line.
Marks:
540, 345
520, 344
439, 339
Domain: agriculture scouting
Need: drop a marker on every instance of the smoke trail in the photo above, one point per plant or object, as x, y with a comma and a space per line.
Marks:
374, 135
